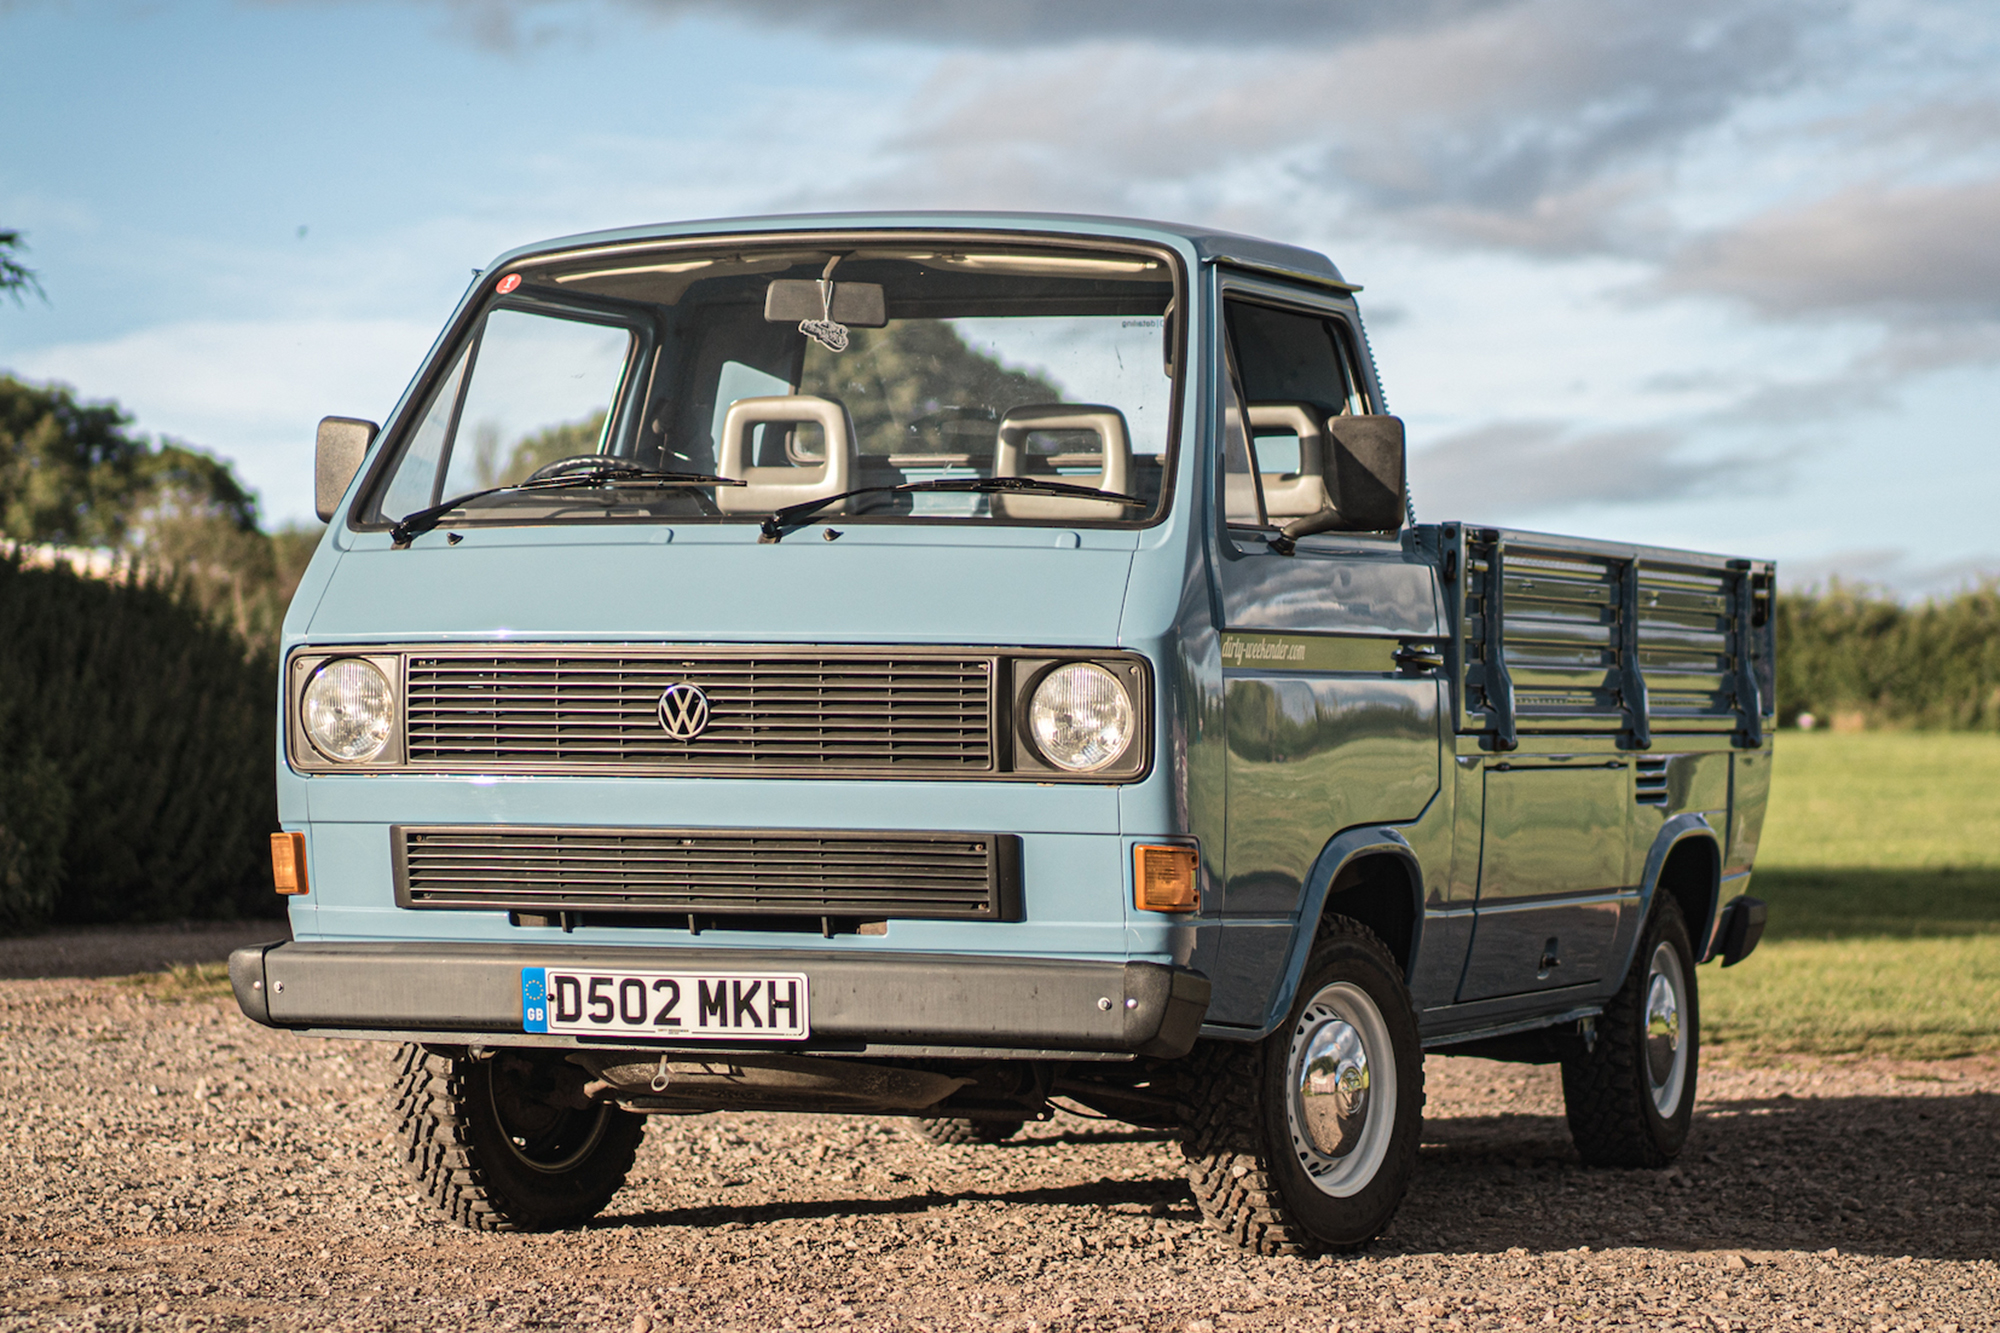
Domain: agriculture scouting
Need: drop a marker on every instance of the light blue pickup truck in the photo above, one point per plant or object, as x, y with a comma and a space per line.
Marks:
949, 665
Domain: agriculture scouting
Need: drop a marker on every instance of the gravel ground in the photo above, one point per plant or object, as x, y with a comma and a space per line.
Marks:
167, 1164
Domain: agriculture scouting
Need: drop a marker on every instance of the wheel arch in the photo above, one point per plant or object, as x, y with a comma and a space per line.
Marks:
1684, 861
1370, 874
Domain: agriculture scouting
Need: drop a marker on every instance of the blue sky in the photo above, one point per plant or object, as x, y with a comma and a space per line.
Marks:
1712, 274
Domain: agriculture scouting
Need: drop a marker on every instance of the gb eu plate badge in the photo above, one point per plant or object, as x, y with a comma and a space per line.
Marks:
534, 1000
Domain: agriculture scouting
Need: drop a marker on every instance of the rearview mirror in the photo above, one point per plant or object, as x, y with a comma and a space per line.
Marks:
1364, 474
856, 304
342, 444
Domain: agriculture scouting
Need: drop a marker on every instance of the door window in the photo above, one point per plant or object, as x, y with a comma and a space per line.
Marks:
1292, 371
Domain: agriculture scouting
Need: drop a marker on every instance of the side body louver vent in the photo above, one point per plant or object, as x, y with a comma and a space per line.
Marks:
1650, 785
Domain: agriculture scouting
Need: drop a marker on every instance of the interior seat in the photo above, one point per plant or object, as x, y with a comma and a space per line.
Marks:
769, 488
1114, 473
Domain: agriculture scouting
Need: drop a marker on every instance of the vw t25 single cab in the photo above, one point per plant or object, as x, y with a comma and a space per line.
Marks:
941, 665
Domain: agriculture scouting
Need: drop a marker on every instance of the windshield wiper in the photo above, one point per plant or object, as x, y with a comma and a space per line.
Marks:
791, 516
412, 526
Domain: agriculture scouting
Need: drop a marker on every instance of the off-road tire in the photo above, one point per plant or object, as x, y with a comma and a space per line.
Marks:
462, 1159
951, 1130
1612, 1116
1240, 1162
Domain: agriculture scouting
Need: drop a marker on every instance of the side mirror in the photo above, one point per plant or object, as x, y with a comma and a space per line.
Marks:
343, 442
1364, 474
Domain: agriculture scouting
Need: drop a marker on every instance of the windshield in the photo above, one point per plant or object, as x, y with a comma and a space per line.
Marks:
805, 375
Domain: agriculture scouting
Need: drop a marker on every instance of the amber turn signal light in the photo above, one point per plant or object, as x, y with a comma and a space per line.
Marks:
1163, 878
288, 862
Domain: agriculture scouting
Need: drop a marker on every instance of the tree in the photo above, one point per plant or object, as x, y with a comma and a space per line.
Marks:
69, 472
73, 474
916, 387
16, 277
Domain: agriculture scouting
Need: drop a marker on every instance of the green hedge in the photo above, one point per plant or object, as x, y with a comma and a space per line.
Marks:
1849, 656
137, 738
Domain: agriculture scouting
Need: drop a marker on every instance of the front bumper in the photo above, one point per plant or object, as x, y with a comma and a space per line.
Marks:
941, 1005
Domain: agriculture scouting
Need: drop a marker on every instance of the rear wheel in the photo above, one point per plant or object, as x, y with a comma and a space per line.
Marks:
962, 1130
1306, 1140
509, 1143
1630, 1095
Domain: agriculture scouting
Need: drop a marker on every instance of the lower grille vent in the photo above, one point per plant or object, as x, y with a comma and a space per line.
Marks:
937, 876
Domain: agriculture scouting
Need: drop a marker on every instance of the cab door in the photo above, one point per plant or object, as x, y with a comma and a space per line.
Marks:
1325, 728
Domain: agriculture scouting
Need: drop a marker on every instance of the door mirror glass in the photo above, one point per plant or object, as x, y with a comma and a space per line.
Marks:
342, 444
1364, 470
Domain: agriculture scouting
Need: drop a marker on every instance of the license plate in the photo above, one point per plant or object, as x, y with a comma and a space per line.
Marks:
682, 1005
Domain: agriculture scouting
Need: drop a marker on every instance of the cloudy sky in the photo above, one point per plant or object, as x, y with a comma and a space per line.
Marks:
1722, 273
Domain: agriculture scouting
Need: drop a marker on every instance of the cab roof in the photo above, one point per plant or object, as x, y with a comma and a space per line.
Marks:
1198, 244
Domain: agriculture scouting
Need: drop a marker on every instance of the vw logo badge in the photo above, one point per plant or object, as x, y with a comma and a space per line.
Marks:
684, 711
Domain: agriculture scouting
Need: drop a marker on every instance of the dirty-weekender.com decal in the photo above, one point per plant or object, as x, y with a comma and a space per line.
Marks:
1308, 652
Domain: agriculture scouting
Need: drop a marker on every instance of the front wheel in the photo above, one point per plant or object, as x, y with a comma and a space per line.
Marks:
1306, 1141
508, 1143
1630, 1094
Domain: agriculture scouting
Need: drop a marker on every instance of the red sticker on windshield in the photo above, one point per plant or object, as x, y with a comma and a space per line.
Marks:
508, 283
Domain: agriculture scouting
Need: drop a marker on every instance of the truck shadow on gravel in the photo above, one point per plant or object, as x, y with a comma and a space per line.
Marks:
1888, 1176
1166, 1193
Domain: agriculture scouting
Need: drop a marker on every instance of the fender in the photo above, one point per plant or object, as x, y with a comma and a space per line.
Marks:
1681, 828
1367, 840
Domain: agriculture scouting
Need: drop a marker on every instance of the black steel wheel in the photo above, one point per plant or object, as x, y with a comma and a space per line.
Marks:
1305, 1142
1630, 1094
508, 1143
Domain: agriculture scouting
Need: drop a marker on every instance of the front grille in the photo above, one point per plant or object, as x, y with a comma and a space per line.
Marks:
938, 876
868, 713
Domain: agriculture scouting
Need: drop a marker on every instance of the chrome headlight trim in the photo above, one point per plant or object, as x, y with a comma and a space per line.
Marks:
1082, 717
1133, 675
308, 753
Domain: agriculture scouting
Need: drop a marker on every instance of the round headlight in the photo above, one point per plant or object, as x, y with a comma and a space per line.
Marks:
1081, 717
347, 710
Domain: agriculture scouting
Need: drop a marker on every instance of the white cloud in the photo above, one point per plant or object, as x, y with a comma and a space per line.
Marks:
1918, 251
1520, 468
1003, 24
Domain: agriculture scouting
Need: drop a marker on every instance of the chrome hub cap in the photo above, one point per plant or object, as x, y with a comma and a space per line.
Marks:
1666, 1052
1341, 1085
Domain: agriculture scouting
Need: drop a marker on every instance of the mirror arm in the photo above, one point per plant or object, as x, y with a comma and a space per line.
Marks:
1287, 539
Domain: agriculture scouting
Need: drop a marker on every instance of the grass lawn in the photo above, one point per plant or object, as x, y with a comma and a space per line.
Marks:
1881, 863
